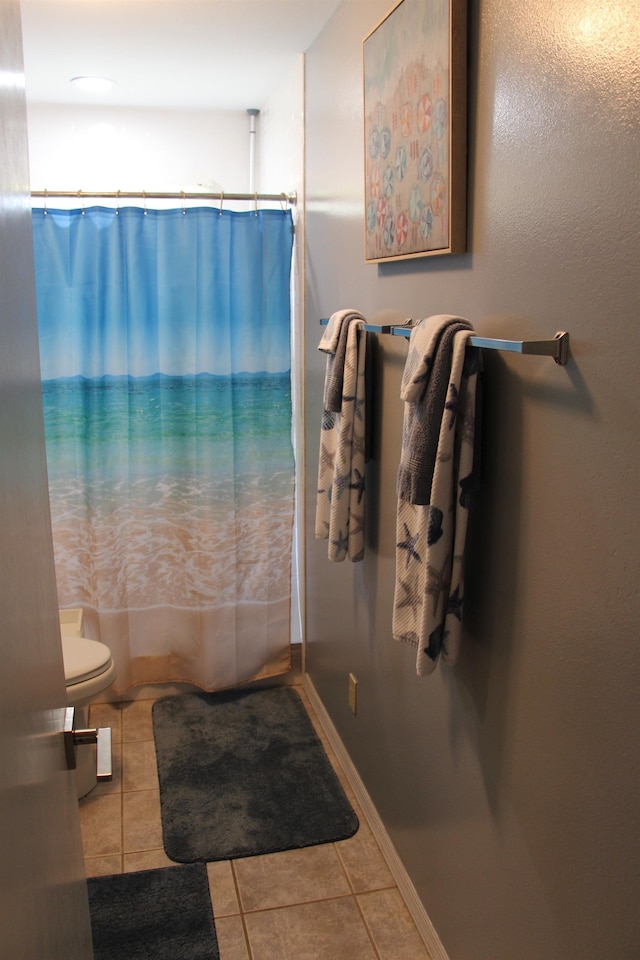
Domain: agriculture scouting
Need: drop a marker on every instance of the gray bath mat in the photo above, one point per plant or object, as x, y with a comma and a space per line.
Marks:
160, 914
244, 773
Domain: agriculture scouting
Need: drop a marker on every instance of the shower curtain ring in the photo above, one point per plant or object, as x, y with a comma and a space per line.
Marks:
144, 201
117, 202
256, 204
81, 198
46, 195
221, 201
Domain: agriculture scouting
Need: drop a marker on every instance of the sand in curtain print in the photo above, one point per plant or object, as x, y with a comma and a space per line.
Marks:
190, 499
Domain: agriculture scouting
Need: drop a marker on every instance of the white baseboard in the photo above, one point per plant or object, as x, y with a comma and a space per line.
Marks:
405, 886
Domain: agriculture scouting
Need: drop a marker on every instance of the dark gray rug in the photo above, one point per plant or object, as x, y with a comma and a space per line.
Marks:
160, 914
244, 773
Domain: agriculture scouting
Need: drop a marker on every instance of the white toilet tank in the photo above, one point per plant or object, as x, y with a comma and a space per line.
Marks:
71, 622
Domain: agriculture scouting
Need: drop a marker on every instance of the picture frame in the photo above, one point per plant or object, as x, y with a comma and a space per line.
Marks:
415, 131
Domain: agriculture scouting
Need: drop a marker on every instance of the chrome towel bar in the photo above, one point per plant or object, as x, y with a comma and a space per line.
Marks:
558, 348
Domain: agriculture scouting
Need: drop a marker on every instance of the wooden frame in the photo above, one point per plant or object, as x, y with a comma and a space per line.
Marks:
415, 131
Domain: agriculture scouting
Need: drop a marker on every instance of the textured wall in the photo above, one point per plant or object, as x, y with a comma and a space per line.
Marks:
508, 784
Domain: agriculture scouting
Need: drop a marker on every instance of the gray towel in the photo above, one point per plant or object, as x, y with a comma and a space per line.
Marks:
423, 417
340, 506
334, 343
430, 541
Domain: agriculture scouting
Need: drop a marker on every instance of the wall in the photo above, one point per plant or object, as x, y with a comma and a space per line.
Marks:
281, 168
509, 783
117, 148
281, 135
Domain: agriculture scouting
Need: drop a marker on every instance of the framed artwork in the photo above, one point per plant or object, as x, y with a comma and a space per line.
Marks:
415, 131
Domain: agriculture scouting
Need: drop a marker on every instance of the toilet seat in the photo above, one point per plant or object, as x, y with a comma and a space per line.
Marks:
84, 659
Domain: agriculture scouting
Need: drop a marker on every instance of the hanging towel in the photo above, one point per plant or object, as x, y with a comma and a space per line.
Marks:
425, 383
431, 527
341, 500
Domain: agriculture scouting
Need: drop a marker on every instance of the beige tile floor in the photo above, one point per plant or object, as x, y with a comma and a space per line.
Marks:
328, 902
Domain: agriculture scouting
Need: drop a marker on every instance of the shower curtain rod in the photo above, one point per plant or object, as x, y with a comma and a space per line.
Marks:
291, 198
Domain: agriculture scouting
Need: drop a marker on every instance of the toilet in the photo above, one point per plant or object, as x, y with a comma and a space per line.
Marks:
89, 670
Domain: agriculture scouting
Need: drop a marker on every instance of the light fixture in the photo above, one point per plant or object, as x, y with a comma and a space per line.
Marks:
93, 84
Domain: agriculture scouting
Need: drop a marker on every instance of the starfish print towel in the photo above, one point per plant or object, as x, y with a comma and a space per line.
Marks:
341, 501
439, 387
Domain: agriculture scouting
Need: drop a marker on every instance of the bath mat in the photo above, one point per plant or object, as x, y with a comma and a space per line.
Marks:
162, 914
244, 773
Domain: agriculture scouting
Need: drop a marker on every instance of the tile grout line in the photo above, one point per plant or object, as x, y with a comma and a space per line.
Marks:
300, 903
243, 921
122, 870
356, 900
372, 889
368, 929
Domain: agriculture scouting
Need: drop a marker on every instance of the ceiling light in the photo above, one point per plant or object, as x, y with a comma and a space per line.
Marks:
93, 84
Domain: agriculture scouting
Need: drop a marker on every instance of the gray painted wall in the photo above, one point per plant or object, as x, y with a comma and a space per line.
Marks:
508, 784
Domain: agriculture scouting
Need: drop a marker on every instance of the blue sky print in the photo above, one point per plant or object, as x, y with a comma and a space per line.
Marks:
136, 294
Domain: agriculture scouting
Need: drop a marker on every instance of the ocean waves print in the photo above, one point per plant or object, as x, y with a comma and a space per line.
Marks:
137, 426
168, 490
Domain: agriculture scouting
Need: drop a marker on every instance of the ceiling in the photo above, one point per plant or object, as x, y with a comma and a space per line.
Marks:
191, 54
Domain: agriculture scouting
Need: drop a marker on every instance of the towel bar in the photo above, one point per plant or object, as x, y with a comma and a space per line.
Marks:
558, 348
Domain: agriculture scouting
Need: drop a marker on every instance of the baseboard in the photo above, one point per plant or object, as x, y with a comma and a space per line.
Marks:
405, 886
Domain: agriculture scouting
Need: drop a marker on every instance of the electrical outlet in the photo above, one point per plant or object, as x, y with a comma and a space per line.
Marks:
353, 693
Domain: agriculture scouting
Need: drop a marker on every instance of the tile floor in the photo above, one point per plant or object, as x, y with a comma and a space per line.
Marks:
328, 902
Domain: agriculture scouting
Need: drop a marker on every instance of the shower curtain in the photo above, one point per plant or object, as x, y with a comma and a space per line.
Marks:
165, 357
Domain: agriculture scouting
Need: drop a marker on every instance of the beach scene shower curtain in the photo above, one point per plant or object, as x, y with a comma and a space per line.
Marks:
165, 358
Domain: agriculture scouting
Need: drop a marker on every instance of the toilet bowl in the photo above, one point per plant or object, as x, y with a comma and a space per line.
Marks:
89, 670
